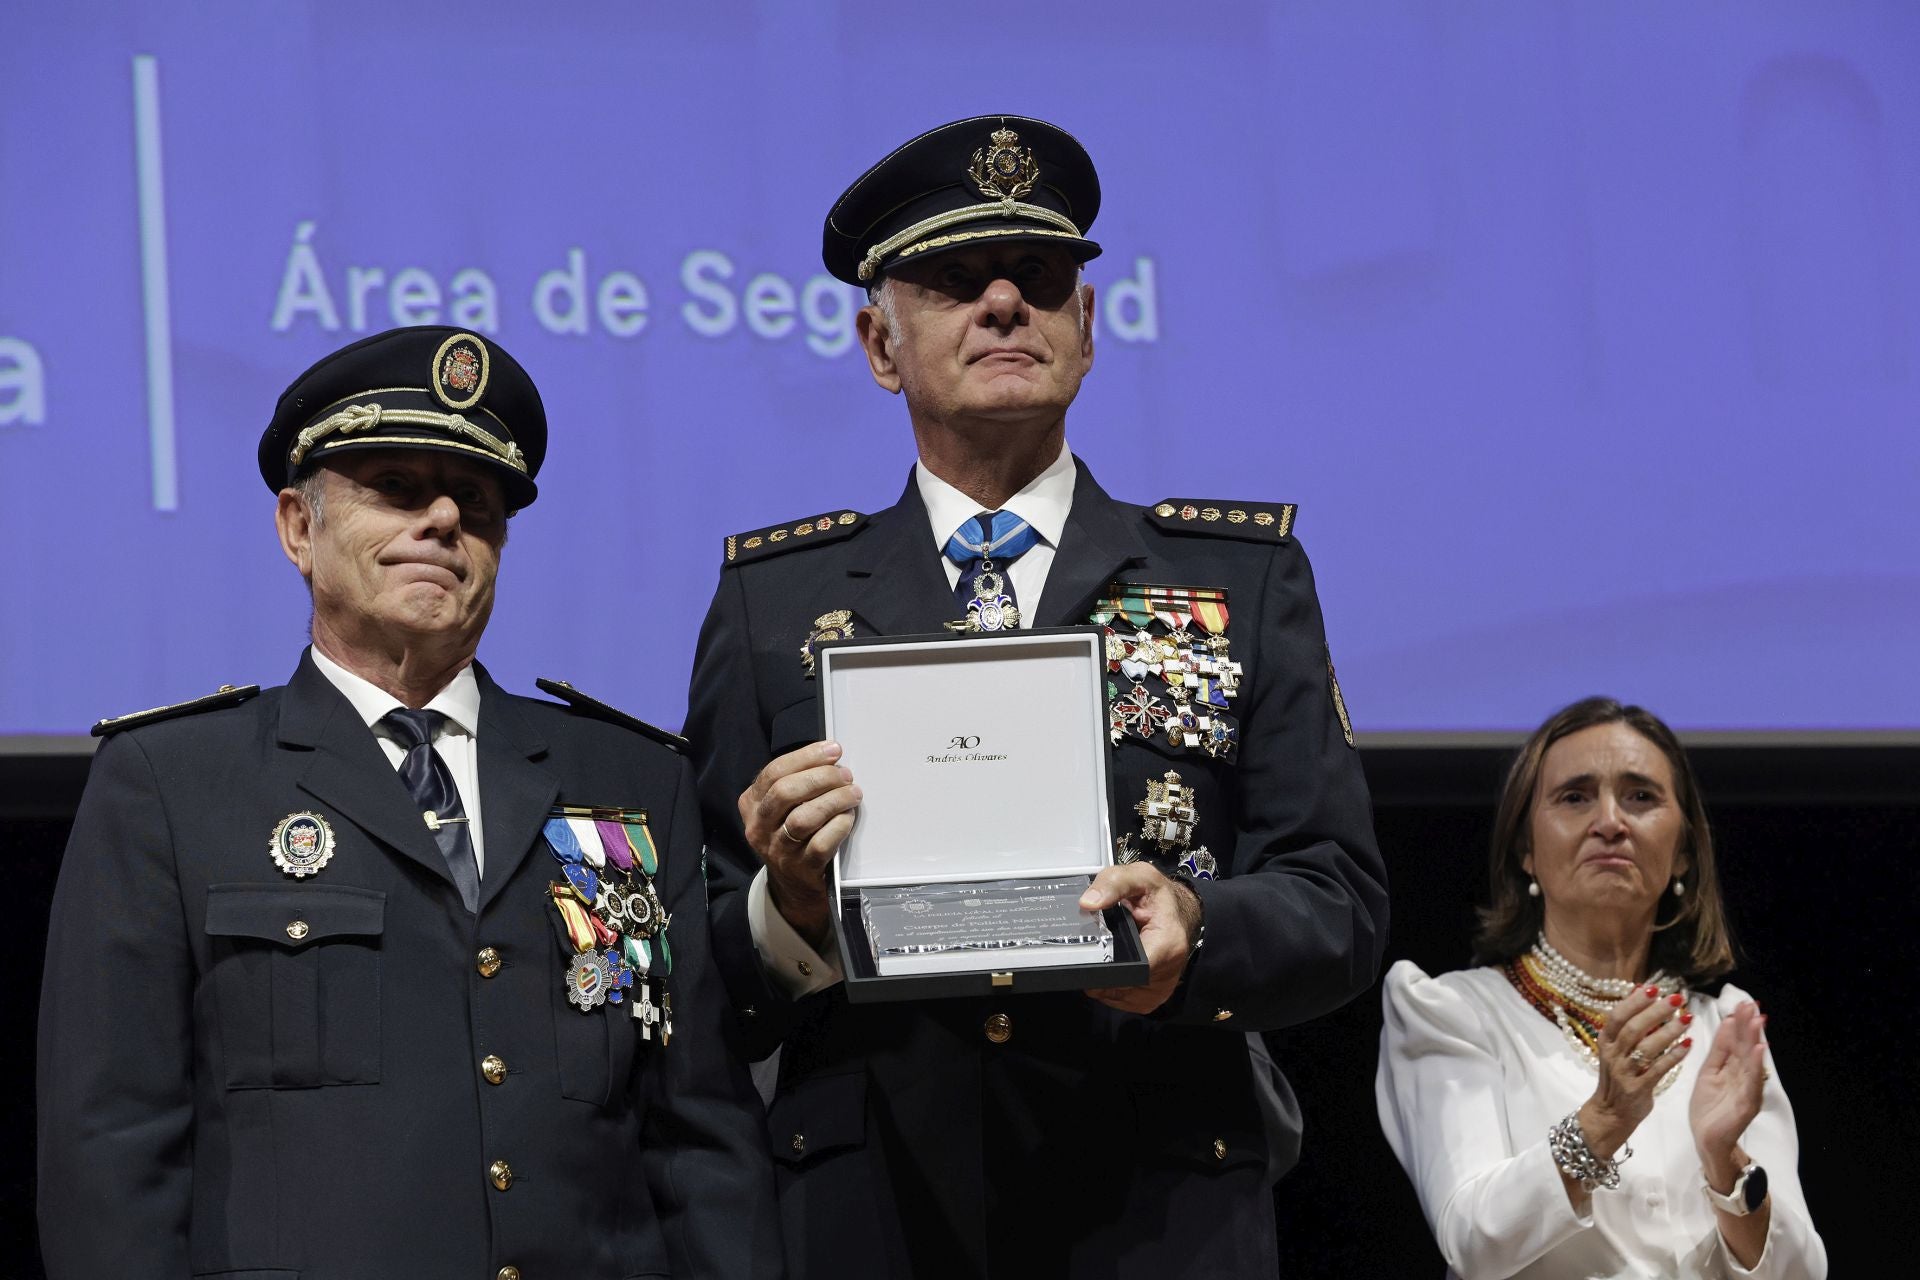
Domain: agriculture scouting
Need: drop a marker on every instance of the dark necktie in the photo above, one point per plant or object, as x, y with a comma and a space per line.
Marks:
984, 547
430, 783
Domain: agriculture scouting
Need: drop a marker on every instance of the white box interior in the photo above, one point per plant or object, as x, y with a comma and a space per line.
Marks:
1022, 793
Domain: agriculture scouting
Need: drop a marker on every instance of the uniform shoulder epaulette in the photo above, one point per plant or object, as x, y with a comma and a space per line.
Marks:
613, 715
228, 695
816, 531
1248, 521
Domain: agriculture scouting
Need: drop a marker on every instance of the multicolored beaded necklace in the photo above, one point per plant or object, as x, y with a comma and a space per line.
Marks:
1573, 999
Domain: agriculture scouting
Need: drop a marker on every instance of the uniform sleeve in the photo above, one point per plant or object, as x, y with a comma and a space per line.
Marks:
730, 746
116, 1038
1494, 1200
706, 1144
1297, 926
1794, 1249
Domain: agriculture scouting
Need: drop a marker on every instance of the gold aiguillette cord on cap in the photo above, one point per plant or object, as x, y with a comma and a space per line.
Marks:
365, 417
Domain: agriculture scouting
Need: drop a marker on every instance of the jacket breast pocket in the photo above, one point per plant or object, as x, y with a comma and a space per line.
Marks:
296, 978
594, 1048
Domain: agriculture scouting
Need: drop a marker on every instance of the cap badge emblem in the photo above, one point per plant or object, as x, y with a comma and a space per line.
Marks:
301, 844
460, 371
1005, 171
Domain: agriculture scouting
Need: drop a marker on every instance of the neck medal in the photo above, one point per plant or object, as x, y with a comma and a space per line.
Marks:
1176, 638
609, 911
991, 608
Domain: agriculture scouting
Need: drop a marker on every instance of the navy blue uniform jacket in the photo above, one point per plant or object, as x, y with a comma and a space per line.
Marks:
1091, 1142
219, 1098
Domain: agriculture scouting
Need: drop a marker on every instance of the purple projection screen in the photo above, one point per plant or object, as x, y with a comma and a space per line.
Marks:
1586, 336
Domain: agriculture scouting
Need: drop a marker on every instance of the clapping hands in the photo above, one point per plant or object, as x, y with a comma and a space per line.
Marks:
1726, 1097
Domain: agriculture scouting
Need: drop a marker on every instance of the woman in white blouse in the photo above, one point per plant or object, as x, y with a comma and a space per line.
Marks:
1573, 1107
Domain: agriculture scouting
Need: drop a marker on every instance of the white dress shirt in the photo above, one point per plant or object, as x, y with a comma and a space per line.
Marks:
1471, 1078
1043, 503
459, 702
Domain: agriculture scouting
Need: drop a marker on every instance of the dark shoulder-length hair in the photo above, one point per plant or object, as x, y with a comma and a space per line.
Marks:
1690, 936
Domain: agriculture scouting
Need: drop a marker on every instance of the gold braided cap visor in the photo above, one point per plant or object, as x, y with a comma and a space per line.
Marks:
357, 419
921, 236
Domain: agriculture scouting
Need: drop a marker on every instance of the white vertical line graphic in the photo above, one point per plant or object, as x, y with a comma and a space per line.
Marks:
153, 282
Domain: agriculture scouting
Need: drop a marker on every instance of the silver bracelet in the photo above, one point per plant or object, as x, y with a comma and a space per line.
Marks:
1578, 1161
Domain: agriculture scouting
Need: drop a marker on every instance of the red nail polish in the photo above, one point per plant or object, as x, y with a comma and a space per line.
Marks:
1676, 999
1687, 1043
1653, 991
1686, 1019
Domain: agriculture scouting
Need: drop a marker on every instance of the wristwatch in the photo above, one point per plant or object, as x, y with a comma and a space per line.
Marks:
1749, 1189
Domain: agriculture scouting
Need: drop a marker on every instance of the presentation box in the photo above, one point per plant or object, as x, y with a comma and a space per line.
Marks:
985, 811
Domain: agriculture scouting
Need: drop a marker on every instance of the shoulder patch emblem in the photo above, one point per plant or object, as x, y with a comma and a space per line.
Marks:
612, 715
228, 695
1247, 521
812, 532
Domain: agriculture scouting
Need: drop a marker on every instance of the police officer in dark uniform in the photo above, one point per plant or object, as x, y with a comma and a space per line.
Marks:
1124, 1132
388, 972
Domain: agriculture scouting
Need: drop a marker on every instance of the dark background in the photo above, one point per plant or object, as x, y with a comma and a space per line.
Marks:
1816, 847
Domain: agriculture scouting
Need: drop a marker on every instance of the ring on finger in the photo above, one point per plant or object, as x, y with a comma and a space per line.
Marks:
1639, 1059
788, 834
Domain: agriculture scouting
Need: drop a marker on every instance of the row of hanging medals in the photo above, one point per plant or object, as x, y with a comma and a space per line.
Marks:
1195, 670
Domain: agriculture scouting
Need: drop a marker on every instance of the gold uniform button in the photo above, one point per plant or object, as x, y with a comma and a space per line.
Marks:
999, 1028
1219, 1148
501, 1174
507, 1273
297, 930
487, 962
799, 1143
493, 1069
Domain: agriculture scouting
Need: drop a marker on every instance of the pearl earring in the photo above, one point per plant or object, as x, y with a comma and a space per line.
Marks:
1533, 887
1679, 890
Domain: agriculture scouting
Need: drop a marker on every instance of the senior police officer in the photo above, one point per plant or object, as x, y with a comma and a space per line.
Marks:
1123, 1132
387, 972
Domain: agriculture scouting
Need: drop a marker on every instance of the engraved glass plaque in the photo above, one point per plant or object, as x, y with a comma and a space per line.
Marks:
998, 924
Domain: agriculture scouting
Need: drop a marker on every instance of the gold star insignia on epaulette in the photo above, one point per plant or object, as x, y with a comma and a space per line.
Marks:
812, 531
227, 695
1248, 521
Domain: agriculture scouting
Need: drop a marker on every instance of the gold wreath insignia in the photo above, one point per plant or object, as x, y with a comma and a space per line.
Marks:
1006, 170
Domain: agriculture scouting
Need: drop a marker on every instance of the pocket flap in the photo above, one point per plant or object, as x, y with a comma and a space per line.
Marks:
294, 915
818, 1115
795, 726
1217, 1131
